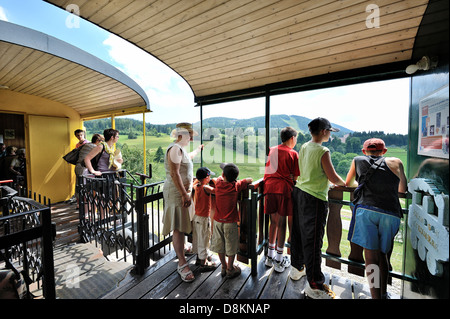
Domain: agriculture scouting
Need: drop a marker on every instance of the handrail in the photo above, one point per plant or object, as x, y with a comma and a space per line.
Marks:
119, 220
259, 225
31, 225
333, 254
254, 227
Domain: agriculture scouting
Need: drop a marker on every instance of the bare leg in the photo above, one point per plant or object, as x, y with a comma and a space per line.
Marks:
273, 228
231, 262
281, 234
178, 245
376, 272
223, 260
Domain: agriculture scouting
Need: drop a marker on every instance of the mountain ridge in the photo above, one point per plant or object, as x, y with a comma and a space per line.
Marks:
300, 123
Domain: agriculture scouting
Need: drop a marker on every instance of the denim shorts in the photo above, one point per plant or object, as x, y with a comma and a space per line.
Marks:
373, 228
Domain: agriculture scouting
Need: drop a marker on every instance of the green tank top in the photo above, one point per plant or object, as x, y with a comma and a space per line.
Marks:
312, 178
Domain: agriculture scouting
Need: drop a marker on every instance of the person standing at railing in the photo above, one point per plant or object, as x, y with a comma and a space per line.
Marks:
377, 211
280, 175
311, 207
80, 167
225, 239
177, 193
201, 221
101, 158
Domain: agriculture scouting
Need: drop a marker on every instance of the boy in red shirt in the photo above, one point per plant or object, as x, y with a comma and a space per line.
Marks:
201, 222
279, 178
225, 239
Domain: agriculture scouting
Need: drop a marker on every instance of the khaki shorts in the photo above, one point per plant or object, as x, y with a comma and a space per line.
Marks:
225, 239
201, 235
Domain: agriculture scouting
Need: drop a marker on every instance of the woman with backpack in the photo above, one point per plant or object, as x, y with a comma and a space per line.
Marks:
101, 158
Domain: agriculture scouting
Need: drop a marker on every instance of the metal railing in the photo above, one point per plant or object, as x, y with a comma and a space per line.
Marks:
128, 218
26, 238
256, 236
124, 219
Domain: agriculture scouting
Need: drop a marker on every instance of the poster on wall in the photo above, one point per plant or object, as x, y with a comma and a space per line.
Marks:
433, 124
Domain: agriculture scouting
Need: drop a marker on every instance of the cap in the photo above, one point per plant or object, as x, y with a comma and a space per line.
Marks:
203, 172
374, 144
321, 123
230, 170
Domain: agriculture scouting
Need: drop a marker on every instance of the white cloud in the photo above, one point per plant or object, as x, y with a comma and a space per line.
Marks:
3, 14
171, 98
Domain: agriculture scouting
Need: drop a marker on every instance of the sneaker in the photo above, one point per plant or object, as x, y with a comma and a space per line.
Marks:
269, 261
296, 274
280, 266
324, 293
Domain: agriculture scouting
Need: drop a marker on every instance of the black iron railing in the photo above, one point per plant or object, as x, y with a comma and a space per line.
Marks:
124, 219
26, 238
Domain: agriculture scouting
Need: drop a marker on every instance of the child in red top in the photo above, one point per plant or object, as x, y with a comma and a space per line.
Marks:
280, 175
201, 222
225, 239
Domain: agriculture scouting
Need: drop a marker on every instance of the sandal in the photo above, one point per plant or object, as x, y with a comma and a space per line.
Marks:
236, 271
207, 266
223, 272
199, 262
185, 274
188, 251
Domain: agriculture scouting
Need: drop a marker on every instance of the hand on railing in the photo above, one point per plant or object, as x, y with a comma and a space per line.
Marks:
256, 184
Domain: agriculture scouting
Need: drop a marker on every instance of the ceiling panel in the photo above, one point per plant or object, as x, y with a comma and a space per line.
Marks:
220, 46
38, 72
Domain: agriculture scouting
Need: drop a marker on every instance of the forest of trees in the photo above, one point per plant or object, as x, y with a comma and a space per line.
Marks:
343, 149
128, 127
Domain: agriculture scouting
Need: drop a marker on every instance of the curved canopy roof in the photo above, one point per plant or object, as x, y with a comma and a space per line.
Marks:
220, 46
40, 65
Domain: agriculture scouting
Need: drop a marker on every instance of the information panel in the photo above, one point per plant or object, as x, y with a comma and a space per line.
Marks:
433, 136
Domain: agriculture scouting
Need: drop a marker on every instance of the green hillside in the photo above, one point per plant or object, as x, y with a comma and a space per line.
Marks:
299, 123
248, 156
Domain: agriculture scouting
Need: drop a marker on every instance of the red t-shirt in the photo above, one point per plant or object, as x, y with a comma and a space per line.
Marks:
282, 165
226, 200
202, 201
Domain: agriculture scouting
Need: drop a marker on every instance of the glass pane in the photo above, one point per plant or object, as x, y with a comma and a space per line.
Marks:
235, 132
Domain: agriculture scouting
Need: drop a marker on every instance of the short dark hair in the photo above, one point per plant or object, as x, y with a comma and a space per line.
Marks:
230, 171
78, 131
287, 133
109, 132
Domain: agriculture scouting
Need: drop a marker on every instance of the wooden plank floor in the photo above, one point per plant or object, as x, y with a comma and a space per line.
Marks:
161, 281
66, 217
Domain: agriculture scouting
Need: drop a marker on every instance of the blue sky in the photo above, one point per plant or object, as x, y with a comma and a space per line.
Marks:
172, 100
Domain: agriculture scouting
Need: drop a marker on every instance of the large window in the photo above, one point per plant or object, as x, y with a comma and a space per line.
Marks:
362, 111
235, 132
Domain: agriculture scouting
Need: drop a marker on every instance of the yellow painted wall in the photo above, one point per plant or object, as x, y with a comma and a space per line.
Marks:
49, 128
